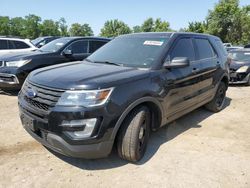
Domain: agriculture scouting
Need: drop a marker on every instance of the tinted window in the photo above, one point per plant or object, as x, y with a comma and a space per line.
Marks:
135, 51
94, 45
183, 48
20, 45
79, 47
205, 49
3, 44
55, 45
220, 45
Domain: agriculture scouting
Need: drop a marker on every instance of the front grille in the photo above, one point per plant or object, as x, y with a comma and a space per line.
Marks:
44, 99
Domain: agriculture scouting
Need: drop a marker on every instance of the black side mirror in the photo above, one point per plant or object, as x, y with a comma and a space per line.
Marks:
67, 53
177, 62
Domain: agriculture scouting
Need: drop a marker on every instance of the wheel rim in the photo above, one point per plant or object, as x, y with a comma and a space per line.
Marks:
142, 134
221, 97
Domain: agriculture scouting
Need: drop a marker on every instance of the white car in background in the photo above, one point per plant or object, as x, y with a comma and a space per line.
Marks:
15, 45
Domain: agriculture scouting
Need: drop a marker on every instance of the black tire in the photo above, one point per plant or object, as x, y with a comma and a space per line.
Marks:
248, 83
218, 101
134, 135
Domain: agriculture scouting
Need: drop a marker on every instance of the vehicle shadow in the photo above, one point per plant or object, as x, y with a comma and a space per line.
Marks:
9, 93
162, 136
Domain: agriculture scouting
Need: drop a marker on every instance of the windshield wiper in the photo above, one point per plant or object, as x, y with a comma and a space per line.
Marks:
104, 62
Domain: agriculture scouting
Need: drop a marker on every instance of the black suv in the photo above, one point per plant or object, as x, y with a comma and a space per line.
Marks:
14, 68
134, 84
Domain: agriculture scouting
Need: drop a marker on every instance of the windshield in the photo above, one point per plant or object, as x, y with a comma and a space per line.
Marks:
37, 40
55, 45
240, 56
141, 52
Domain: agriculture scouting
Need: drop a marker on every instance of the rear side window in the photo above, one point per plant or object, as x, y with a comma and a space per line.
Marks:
183, 48
94, 45
220, 46
3, 45
79, 47
204, 48
20, 45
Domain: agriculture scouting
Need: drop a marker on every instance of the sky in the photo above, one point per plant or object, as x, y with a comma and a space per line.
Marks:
95, 12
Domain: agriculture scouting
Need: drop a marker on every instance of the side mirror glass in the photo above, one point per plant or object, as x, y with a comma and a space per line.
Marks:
177, 62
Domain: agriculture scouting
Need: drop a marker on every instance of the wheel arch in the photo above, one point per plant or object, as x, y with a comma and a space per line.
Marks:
154, 107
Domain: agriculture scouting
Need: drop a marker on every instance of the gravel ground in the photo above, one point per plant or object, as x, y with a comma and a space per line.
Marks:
201, 149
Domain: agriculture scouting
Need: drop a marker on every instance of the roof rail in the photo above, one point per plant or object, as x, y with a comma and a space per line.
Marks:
10, 36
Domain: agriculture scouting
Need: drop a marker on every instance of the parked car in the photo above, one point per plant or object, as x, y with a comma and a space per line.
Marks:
240, 66
15, 45
41, 41
227, 45
233, 48
247, 46
15, 68
134, 84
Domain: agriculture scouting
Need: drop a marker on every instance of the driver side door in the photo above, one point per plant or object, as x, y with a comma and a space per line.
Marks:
79, 50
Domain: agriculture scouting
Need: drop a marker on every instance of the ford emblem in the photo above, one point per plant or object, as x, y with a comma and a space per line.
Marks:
31, 93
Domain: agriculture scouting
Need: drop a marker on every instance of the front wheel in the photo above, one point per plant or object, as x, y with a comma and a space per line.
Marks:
134, 135
248, 83
218, 101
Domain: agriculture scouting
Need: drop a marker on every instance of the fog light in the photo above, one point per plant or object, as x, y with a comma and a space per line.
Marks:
80, 128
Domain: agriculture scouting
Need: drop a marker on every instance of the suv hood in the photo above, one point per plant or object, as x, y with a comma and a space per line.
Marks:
22, 55
237, 64
85, 75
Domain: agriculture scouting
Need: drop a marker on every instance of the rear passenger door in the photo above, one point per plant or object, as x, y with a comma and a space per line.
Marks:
182, 84
208, 59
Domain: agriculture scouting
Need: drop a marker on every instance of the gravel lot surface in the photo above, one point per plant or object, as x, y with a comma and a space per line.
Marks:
201, 149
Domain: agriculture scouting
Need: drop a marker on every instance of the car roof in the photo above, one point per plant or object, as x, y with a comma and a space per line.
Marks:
166, 34
89, 37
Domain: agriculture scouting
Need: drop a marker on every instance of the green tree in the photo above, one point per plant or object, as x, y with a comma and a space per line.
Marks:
197, 27
49, 28
4, 25
137, 29
63, 27
17, 27
77, 29
148, 25
32, 26
161, 26
224, 21
151, 25
114, 28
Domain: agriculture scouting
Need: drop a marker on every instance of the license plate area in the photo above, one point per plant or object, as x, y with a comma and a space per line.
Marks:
28, 122
233, 75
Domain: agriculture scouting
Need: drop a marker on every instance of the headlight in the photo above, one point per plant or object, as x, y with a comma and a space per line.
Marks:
242, 69
17, 63
86, 98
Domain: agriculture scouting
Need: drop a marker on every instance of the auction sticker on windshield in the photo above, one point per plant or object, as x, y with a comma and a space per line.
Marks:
153, 43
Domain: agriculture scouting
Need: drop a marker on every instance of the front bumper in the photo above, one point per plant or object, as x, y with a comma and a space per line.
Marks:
239, 78
46, 129
59, 145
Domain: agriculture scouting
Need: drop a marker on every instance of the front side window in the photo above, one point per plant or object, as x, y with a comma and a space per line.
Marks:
3, 45
204, 48
55, 45
78, 47
183, 48
131, 51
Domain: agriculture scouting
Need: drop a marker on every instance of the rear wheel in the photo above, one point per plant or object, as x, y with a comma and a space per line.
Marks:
134, 134
218, 101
